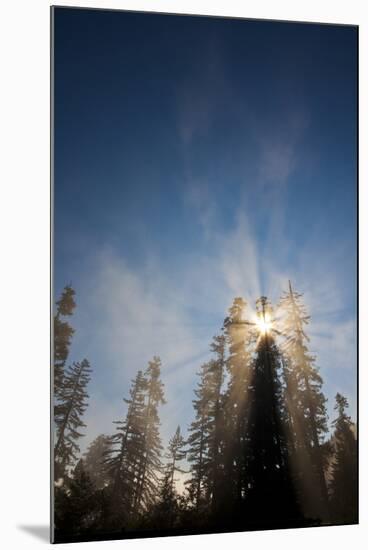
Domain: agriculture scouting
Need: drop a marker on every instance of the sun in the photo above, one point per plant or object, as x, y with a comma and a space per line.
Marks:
264, 325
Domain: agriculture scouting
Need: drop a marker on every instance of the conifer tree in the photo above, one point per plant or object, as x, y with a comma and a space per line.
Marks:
269, 494
306, 405
239, 336
344, 483
77, 508
205, 454
149, 464
175, 454
122, 457
216, 434
63, 333
165, 511
73, 401
198, 441
94, 461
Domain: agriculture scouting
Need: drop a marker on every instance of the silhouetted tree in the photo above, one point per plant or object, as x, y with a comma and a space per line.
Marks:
214, 479
306, 405
77, 508
175, 454
63, 333
344, 483
149, 463
94, 461
164, 513
122, 457
269, 495
205, 454
238, 335
197, 455
73, 401
255, 449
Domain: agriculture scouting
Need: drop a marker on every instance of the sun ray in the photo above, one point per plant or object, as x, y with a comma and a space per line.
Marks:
264, 325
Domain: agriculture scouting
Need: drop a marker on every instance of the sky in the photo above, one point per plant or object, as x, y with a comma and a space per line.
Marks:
197, 159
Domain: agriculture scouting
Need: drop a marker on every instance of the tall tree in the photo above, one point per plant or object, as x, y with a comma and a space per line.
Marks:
63, 333
269, 494
149, 464
94, 461
175, 454
164, 514
122, 457
205, 441
239, 336
216, 434
344, 483
198, 441
306, 405
73, 401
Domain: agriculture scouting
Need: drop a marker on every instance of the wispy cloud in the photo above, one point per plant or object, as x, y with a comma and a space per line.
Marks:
135, 312
142, 313
198, 197
201, 94
277, 162
132, 316
278, 145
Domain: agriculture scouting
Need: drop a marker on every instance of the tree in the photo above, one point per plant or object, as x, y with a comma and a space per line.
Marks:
174, 455
77, 508
73, 401
239, 335
306, 405
268, 494
94, 461
149, 464
133, 460
63, 333
344, 483
214, 480
164, 514
123, 454
197, 455
205, 454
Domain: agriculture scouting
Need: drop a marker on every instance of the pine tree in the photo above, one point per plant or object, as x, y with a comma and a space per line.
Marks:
124, 452
198, 442
269, 494
344, 483
164, 514
63, 333
306, 405
149, 464
94, 461
77, 508
239, 336
205, 454
72, 405
215, 440
175, 454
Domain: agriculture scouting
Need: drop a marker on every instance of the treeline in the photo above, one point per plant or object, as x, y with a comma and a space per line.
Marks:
257, 453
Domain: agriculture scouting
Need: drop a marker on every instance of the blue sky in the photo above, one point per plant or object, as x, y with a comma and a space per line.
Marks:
198, 159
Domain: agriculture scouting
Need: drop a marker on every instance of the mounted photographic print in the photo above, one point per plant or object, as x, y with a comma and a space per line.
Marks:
204, 176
